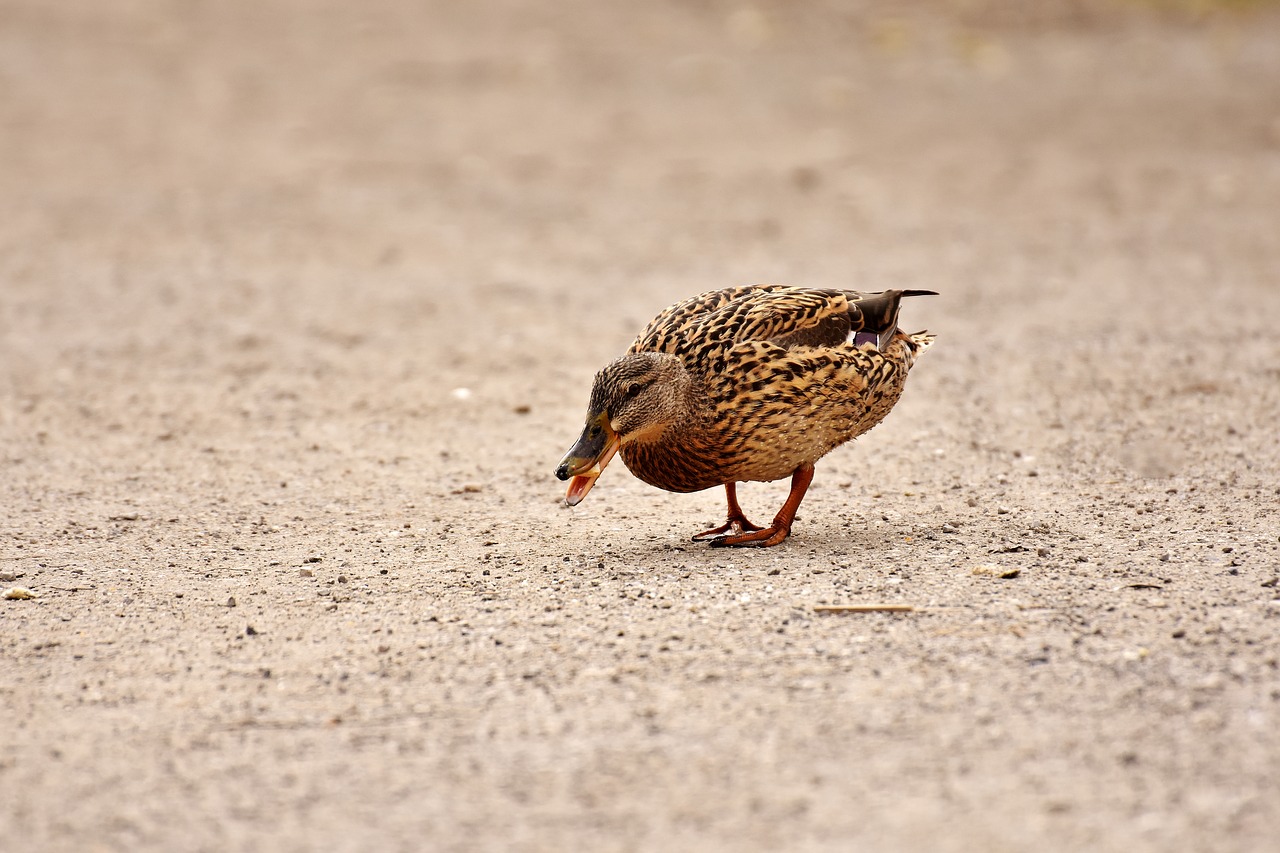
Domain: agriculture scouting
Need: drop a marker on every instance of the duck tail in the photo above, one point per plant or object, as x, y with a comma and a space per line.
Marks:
917, 343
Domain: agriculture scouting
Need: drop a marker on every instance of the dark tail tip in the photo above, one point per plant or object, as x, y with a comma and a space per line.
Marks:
920, 293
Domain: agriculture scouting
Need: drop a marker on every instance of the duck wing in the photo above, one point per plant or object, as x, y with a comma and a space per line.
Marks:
795, 317
788, 317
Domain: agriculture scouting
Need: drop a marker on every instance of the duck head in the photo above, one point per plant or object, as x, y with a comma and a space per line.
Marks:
632, 399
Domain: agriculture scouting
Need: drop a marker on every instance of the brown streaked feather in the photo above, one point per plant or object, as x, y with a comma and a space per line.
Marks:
667, 331
775, 380
788, 316
768, 314
830, 331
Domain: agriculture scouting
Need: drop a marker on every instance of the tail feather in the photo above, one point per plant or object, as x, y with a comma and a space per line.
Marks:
918, 342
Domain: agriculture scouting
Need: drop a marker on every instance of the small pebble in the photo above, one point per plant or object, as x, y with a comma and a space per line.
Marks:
1042, 551
231, 602
1002, 510
9, 577
950, 528
306, 573
342, 578
250, 631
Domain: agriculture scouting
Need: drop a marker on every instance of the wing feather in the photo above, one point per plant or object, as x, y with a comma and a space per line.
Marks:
790, 317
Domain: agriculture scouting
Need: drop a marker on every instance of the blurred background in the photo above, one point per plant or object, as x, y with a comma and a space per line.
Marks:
457, 195
293, 288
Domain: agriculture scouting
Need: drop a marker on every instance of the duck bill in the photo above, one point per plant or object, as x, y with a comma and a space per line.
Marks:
587, 458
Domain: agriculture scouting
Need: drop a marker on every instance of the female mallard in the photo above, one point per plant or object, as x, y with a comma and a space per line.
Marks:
748, 383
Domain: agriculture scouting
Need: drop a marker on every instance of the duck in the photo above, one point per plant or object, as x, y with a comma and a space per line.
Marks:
753, 383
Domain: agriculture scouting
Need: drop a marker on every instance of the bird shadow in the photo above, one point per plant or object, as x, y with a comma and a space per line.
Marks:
809, 542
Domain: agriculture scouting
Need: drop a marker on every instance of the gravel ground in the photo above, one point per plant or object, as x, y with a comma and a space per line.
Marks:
300, 306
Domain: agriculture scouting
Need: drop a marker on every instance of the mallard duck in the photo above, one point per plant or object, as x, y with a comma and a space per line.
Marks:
748, 383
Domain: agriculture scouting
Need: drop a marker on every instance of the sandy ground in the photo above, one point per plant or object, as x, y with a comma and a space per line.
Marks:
300, 306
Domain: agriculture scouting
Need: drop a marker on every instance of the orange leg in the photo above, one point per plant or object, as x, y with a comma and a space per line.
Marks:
777, 532
737, 523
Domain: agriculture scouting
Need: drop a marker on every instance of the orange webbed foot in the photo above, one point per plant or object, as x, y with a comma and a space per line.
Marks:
736, 525
764, 537
774, 534
730, 529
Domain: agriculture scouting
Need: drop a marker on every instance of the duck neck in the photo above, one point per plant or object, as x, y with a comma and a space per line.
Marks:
688, 403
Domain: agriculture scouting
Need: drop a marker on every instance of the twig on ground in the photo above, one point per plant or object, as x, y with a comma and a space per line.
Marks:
864, 608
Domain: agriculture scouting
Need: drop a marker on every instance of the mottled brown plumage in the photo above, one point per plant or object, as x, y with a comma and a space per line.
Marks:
747, 383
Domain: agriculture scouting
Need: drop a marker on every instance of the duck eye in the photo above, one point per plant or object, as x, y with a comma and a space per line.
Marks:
633, 389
